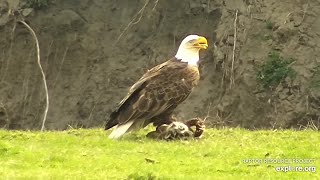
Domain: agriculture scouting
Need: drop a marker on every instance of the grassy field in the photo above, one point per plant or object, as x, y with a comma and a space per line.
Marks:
220, 154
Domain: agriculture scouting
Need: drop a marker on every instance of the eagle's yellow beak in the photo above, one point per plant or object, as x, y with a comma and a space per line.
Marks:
202, 42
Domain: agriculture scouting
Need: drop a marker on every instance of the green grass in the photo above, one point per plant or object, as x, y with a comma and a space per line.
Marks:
89, 154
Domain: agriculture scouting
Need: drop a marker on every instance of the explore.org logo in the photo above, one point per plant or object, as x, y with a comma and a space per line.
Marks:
295, 169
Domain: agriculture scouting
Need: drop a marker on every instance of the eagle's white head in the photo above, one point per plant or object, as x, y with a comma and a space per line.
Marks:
189, 49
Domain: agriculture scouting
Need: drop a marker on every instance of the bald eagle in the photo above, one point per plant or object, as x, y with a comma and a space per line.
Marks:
159, 91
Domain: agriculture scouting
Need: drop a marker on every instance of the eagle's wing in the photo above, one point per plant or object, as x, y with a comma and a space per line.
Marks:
147, 76
132, 96
151, 95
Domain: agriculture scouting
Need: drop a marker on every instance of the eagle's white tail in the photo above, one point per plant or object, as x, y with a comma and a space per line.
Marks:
120, 130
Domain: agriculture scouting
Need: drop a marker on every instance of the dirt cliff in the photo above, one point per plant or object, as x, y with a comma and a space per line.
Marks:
92, 51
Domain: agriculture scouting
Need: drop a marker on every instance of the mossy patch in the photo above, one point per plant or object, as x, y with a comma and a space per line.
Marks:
275, 70
37, 4
315, 80
269, 25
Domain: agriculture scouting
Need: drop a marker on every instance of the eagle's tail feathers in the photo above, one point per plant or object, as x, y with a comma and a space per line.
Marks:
120, 130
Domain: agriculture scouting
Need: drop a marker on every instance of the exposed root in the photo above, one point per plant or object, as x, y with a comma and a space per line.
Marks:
234, 49
133, 22
60, 67
208, 112
155, 5
42, 72
310, 125
6, 113
303, 15
6, 65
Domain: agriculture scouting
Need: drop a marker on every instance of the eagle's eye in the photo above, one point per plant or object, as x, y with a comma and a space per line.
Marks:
193, 41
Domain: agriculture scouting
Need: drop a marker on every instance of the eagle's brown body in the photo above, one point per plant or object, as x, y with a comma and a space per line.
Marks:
159, 91
155, 95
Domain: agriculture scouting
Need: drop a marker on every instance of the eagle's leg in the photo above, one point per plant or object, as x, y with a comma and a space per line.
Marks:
158, 121
162, 124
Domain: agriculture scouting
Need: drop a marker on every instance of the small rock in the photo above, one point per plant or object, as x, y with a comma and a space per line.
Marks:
283, 95
269, 42
291, 97
287, 106
69, 19
283, 33
312, 43
4, 20
230, 41
26, 12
